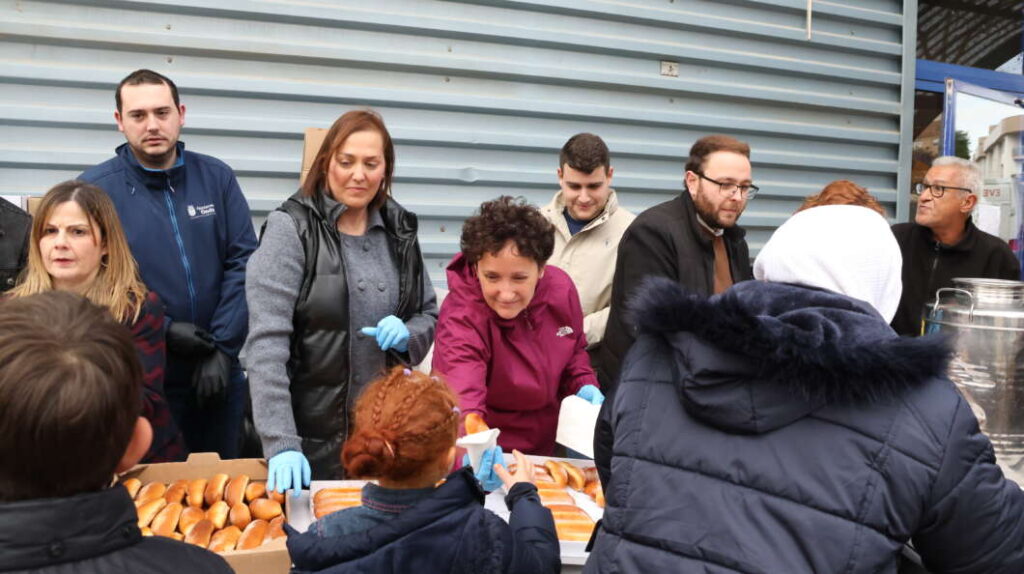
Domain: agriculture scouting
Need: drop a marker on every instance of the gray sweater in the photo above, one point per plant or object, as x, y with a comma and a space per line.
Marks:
273, 279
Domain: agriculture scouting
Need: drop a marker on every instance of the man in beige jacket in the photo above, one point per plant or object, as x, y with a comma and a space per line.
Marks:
588, 225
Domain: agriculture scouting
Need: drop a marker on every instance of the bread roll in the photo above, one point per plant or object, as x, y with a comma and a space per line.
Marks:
255, 490
146, 531
196, 488
323, 509
166, 520
599, 497
337, 494
151, 491
265, 509
218, 514
176, 492
200, 533
189, 516
590, 473
575, 477
253, 535
555, 497
574, 530
474, 423
215, 489
235, 491
276, 496
276, 528
240, 515
225, 540
177, 536
148, 510
557, 472
132, 485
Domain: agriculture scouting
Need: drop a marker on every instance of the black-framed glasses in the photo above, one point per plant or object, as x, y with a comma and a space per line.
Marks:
728, 188
936, 190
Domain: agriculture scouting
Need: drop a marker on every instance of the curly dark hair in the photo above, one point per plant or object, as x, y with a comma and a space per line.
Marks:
508, 219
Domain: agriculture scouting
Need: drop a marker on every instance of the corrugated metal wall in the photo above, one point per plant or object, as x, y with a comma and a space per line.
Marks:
479, 95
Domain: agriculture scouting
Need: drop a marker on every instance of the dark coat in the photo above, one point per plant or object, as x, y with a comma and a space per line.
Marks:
664, 241
319, 363
783, 429
929, 265
190, 230
449, 532
15, 229
96, 532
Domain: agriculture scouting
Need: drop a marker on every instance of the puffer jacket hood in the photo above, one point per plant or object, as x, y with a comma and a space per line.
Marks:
763, 355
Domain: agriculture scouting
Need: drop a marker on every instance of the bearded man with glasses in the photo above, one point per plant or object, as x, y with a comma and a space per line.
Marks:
692, 239
942, 242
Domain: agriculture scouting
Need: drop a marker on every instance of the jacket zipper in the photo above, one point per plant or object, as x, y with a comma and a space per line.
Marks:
181, 250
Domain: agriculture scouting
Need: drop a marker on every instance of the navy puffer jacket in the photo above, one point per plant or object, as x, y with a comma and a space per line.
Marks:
782, 429
450, 532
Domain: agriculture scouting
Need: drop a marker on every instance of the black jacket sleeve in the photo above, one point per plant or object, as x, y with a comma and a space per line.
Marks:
972, 523
535, 547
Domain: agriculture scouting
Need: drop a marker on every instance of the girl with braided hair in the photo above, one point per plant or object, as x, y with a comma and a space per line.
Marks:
404, 437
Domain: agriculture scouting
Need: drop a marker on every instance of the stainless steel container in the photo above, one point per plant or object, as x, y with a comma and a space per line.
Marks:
985, 319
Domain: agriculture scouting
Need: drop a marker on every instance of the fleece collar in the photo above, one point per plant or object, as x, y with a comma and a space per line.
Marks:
762, 355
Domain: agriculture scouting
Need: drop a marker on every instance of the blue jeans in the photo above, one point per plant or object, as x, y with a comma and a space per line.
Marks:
211, 428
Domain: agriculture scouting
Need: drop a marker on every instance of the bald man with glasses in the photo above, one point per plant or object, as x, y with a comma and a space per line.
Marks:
692, 239
942, 242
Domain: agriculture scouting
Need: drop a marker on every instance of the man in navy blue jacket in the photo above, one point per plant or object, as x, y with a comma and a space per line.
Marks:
189, 228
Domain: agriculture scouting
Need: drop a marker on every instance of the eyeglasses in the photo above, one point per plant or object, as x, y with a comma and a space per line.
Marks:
937, 190
728, 188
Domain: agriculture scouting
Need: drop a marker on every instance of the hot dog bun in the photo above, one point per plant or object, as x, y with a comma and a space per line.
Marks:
557, 472
575, 477
148, 510
235, 491
215, 489
176, 492
218, 514
166, 521
151, 491
196, 488
265, 509
225, 539
253, 535
132, 485
240, 516
255, 490
189, 516
200, 533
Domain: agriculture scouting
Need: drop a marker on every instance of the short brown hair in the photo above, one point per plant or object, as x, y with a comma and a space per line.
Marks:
404, 422
144, 76
508, 219
843, 192
585, 153
708, 145
349, 123
70, 385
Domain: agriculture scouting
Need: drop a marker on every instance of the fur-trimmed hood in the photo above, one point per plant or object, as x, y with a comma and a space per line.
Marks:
762, 355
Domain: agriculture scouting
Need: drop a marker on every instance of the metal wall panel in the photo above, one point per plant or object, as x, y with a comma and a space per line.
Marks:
479, 95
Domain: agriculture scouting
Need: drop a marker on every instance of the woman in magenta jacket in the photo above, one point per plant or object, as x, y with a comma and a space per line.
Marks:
510, 336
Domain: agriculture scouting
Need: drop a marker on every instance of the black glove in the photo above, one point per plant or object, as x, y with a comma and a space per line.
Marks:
188, 340
210, 379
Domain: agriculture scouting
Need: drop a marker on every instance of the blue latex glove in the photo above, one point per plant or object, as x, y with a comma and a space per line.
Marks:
591, 393
288, 469
391, 333
489, 480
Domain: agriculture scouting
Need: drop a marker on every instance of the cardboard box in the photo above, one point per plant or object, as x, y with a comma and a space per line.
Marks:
31, 204
310, 145
272, 557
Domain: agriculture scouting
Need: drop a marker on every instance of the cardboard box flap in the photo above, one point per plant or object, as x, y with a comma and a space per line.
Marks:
199, 465
314, 138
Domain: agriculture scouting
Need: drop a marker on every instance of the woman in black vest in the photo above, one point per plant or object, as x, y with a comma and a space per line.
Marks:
337, 294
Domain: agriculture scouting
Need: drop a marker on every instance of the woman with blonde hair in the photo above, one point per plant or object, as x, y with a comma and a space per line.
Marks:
78, 245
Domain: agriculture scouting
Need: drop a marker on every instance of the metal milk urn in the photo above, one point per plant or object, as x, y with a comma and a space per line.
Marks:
984, 319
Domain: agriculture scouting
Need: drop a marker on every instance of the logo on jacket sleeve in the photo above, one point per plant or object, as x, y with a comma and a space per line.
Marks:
197, 211
564, 331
